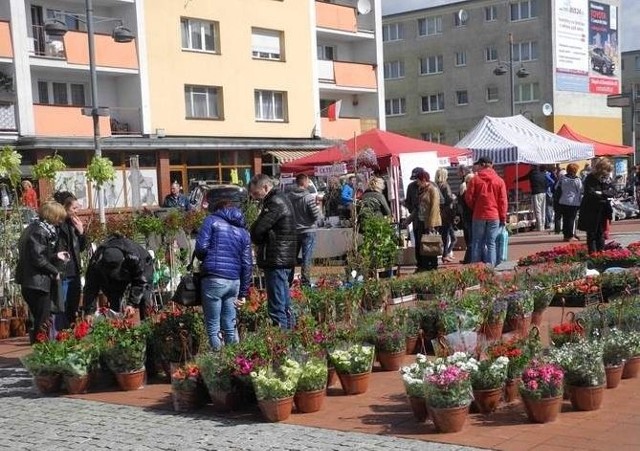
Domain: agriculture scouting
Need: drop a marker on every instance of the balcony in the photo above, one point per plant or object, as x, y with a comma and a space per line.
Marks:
125, 121
7, 117
348, 74
336, 17
62, 120
6, 48
341, 128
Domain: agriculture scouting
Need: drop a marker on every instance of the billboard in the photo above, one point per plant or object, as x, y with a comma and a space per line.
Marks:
587, 54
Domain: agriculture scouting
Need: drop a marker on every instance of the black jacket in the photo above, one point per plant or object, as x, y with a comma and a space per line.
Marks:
274, 232
412, 199
135, 272
36, 257
538, 181
595, 207
71, 241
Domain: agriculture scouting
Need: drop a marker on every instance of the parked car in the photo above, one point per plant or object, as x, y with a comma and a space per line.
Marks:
601, 62
205, 194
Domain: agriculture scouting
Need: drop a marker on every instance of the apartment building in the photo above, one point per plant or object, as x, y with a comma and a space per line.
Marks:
448, 65
631, 85
205, 90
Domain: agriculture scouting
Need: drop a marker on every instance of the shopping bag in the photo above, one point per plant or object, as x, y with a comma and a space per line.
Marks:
502, 246
188, 290
431, 245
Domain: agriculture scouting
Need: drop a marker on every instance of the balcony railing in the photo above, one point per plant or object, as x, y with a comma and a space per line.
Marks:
7, 117
348, 74
125, 121
6, 48
48, 46
336, 17
63, 120
341, 128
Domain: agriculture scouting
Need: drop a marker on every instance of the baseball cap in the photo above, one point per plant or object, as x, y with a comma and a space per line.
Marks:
484, 160
416, 173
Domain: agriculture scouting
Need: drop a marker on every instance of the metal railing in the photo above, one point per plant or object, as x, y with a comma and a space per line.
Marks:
7, 117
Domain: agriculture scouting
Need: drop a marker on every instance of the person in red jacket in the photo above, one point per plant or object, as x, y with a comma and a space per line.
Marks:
486, 196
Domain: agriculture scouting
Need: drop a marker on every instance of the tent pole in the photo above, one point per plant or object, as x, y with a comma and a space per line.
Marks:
517, 187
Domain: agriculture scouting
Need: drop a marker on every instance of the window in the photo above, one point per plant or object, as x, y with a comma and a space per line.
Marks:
432, 103
203, 102
461, 58
430, 26
526, 92
431, 65
462, 97
637, 61
270, 105
69, 18
460, 22
392, 32
61, 93
395, 107
266, 44
434, 137
490, 13
523, 10
491, 54
199, 35
393, 69
492, 94
326, 52
525, 51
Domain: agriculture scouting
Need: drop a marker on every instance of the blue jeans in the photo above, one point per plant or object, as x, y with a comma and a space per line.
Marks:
279, 300
483, 240
218, 297
448, 239
306, 243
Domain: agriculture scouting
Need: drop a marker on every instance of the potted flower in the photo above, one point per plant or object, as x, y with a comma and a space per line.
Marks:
519, 310
615, 353
632, 366
353, 364
185, 381
125, 352
494, 312
312, 385
44, 364
584, 370
176, 336
413, 380
487, 380
217, 373
448, 392
541, 391
519, 352
542, 296
76, 365
566, 332
275, 389
390, 343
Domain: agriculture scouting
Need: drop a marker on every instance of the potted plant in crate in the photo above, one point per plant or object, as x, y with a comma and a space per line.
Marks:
390, 342
615, 353
185, 381
125, 352
448, 392
541, 391
487, 380
353, 363
413, 380
275, 388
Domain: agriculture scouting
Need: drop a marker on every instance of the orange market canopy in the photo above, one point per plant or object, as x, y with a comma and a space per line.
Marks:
600, 149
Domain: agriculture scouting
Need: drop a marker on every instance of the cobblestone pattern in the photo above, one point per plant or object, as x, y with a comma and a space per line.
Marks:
31, 422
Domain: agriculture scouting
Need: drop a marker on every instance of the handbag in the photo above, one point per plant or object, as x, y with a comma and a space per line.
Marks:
431, 245
188, 290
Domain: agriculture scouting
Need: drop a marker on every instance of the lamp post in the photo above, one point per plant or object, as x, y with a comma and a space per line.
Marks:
520, 73
57, 27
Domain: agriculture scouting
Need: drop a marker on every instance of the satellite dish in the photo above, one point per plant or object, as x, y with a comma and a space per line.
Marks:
364, 7
547, 109
463, 16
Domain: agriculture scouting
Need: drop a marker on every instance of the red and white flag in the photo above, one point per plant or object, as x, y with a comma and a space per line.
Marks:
333, 110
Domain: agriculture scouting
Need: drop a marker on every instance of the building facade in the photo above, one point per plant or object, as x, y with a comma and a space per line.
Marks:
449, 65
207, 90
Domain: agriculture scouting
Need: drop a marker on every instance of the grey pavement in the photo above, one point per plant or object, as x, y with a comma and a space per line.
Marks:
31, 422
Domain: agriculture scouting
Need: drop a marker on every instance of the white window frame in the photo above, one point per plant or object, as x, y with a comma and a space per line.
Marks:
489, 54
211, 93
50, 99
460, 92
459, 23
637, 63
523, 10
487, 94
395, 107
434, 137
431, 65
394, 70
392, 32
265, 112
491, 13
526, 93
438, 99
530, 47
192, 26
460, 58
430, 26
323, 50
267, 50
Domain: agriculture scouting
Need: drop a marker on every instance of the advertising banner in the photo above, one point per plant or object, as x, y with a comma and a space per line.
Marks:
603, 49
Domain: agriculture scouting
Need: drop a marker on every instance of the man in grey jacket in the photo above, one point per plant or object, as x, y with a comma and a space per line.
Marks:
307, 214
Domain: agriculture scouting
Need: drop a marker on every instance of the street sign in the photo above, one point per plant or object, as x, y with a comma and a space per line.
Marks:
619, 100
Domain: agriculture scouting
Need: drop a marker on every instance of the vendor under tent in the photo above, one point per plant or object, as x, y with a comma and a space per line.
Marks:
600, 149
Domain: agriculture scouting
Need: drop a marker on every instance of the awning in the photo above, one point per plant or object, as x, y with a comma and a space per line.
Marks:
284, 156
601, 149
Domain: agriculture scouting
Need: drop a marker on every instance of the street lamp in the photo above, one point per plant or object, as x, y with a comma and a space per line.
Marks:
507, 67
120, 34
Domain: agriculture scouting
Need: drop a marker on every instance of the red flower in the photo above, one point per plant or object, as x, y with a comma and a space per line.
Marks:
81, 330
41, 337
63, 335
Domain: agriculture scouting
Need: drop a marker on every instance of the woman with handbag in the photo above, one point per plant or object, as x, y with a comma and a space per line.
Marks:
430, 218
224, 248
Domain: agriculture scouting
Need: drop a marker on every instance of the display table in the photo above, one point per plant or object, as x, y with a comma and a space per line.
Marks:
333, 242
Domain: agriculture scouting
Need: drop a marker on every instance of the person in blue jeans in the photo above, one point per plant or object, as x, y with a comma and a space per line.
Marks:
223, 246
307, 214
274, 233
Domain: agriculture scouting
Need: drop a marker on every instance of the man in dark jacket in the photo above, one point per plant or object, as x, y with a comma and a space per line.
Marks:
175, 199
117, 265
538, 182
412, 203
307, 213
274, 232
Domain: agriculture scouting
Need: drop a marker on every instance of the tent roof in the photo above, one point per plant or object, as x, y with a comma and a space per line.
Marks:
516, 139
383, 143
601, 149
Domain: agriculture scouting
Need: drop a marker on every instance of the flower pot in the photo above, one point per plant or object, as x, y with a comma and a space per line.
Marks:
536, 317
102, 378
411, 344
542, 410
354, 384
492, 331
185, 400
310, 401
224, 400
511, 390
631, 368
449, 420
390, 361
133, 380
5, 331
17, 327
614, 374
586, 398
5, 312
48, 384
76, 384
487, 400
520, 325
331, 376
419, 408
275, 410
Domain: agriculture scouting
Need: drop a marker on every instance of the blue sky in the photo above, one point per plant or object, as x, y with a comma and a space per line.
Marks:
629, 17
